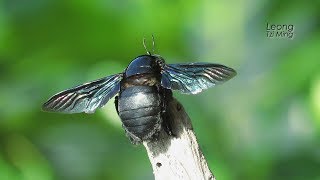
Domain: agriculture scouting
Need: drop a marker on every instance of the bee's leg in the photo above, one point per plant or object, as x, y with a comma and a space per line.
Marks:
167, 125
167, 121
116, 103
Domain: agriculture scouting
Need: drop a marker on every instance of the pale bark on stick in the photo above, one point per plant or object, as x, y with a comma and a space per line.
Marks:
177, 156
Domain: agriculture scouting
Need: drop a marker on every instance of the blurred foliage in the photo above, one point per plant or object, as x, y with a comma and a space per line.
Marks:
263, 124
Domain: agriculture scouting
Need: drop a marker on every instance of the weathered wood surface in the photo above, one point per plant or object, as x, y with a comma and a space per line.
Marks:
178, 156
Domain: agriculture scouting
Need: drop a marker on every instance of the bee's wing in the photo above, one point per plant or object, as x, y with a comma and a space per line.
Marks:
86, 97
192, 78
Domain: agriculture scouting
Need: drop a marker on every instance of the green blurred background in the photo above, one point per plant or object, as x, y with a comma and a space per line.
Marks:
263, 124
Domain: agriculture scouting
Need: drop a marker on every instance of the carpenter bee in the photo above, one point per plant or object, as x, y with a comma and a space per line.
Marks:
144, 90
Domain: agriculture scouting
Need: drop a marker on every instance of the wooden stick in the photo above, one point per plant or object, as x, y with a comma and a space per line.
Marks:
177, 156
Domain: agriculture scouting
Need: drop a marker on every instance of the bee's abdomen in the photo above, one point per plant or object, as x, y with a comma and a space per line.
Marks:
140, 110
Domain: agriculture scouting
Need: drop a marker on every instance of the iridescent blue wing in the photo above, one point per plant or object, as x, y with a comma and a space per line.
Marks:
192, 78
86, 97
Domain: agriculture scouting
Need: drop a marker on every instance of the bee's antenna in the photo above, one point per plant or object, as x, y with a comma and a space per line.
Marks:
153, 44
144, 45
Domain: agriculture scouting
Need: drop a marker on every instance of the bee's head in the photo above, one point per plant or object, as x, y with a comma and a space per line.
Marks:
144, 64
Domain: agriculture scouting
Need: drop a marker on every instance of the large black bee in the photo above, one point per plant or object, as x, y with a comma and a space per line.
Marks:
144, 91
